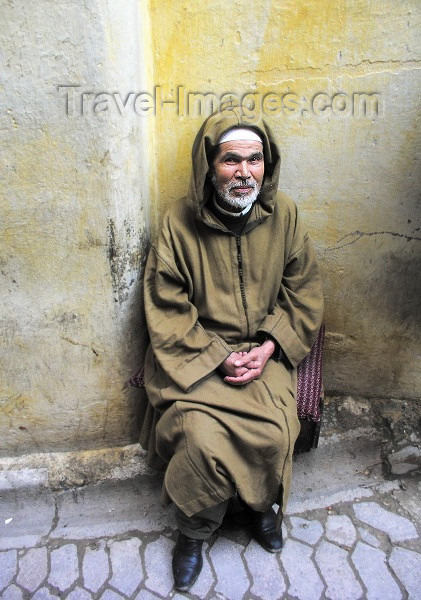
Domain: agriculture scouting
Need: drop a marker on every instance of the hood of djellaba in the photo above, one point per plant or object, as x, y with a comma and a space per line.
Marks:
205, 148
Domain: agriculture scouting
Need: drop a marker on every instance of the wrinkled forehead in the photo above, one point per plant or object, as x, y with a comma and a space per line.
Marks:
243, 149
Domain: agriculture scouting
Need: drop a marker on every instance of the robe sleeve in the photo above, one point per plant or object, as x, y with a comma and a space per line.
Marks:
185, 351
297, 315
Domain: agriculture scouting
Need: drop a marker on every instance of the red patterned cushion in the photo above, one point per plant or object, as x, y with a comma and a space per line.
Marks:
138, 379
310, 380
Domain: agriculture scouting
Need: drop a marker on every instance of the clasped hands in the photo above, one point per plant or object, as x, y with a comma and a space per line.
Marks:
241, 367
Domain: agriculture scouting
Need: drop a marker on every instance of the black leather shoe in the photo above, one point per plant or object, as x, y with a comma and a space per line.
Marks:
264, 530
187, 562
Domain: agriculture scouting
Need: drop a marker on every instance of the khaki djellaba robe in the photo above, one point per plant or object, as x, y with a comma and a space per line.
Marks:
208, 293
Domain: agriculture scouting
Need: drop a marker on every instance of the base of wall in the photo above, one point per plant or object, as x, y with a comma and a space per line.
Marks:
64, 470
387, 420
393, 420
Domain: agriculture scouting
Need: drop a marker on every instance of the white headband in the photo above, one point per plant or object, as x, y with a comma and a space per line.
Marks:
240, 133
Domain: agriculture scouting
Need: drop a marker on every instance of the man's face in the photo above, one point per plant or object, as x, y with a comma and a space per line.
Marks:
238, 170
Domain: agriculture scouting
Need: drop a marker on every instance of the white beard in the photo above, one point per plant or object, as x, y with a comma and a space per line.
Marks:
242, 201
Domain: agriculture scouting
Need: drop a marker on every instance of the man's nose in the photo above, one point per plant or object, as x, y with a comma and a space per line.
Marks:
243, 170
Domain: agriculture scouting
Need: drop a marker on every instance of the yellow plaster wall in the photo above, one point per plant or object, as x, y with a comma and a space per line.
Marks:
74, 226
76, 189
354, 174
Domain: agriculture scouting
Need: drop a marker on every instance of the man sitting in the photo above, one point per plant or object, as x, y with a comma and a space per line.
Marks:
233, 302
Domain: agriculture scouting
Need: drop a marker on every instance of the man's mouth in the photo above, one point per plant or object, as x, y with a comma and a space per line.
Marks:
244, 189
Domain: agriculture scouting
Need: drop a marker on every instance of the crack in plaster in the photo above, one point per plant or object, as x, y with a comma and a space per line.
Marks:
54, 522
90, 347
337, 70
357, 235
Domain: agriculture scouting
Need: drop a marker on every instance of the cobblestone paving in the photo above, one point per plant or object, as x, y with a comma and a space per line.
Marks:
351, 550
367, 547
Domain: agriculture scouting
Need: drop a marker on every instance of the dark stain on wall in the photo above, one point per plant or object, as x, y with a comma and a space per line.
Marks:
126, 251
395, 285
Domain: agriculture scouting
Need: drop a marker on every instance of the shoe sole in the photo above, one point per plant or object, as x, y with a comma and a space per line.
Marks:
268, 548
272, 550
187, 587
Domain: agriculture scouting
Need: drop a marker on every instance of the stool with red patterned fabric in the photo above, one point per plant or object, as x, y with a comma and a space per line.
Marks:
310, 396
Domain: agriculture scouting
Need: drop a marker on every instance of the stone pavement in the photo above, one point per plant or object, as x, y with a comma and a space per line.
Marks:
352, 531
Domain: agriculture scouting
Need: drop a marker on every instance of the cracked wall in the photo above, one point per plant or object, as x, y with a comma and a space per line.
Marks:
339, 84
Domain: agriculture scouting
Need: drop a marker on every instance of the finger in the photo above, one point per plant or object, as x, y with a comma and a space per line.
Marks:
253, 364
249, 375
235, 381
230, 361
244, 359
253, 354
240, 371
239, 362
232, 371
